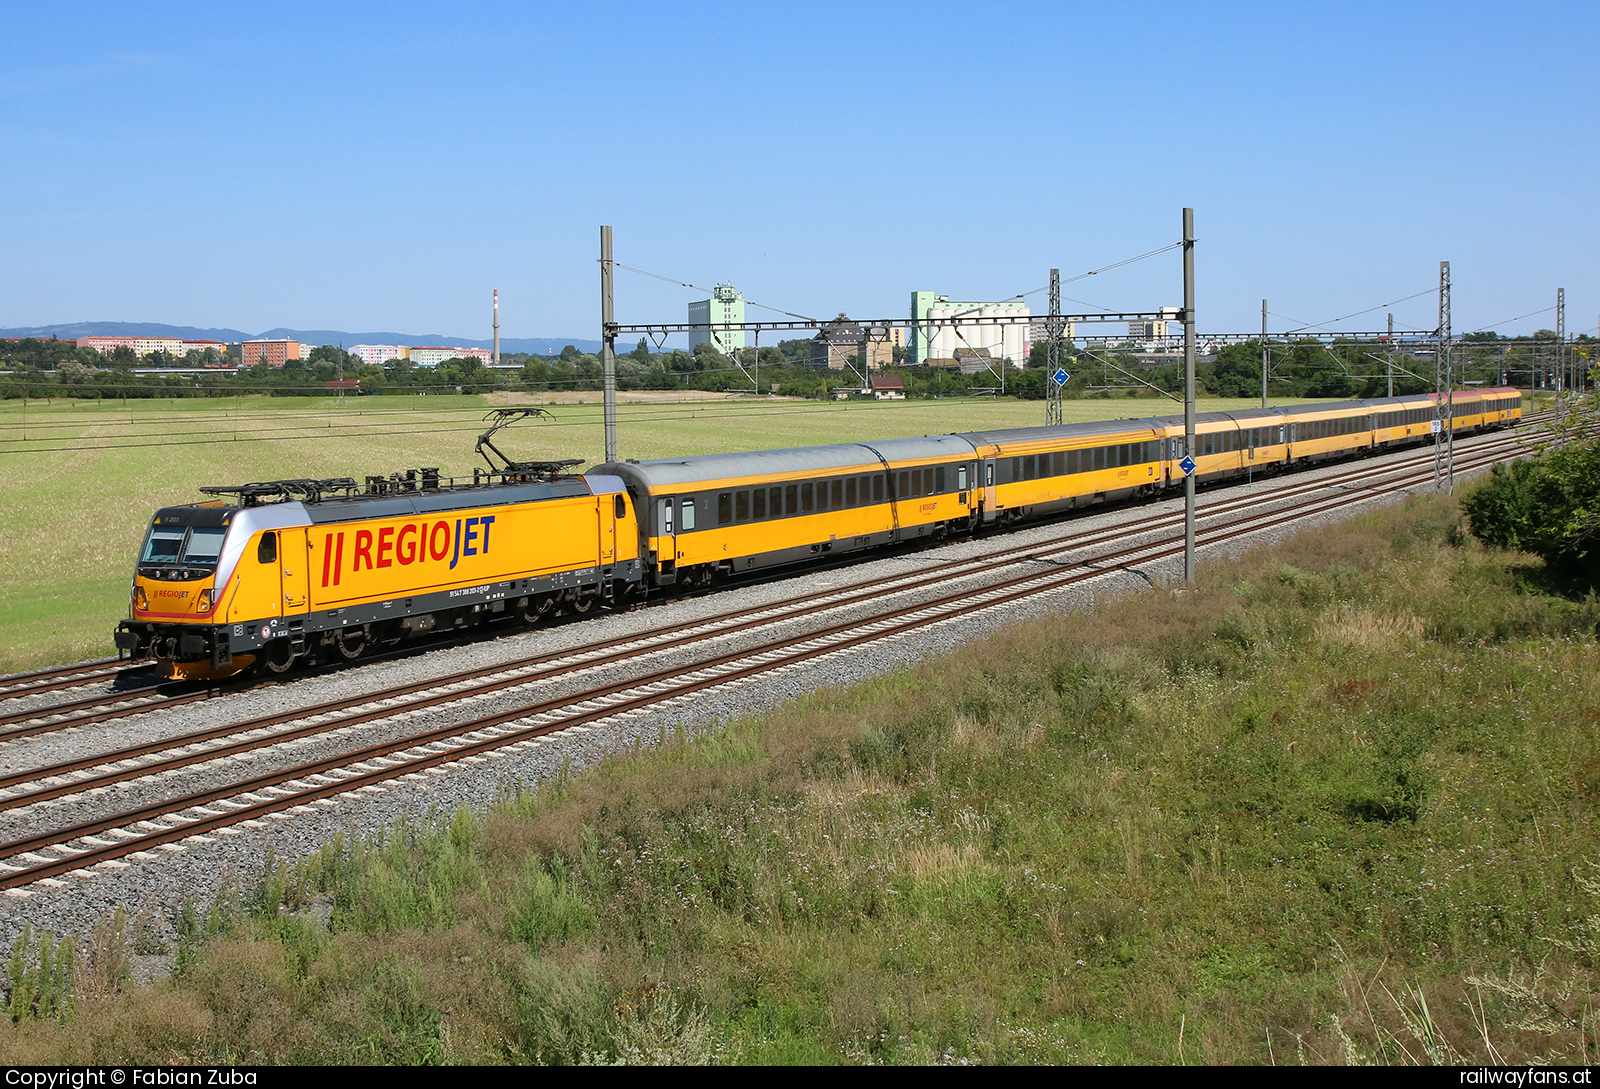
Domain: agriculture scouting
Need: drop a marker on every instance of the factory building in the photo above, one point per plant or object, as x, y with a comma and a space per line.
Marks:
839, 341
711, 316
933, 337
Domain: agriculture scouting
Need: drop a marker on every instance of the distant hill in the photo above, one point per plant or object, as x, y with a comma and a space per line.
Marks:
535, 345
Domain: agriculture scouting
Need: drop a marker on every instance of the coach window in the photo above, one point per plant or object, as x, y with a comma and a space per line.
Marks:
1072, 461
905, 482
850, 492
741, 506
760, 503
838, 494
939, 479
791, 499
877, 487
822, 495
724, 508
805, 498
1099, 456
775, 503
267, 550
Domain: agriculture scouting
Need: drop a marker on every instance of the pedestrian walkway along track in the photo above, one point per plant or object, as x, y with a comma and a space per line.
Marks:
100, 844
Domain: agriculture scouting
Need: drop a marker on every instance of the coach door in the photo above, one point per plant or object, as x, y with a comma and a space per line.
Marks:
666, 521
991, 494
294, 569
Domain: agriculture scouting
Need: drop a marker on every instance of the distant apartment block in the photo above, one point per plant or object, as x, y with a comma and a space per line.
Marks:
1147, 330
377, 354
138, 345
432, 357
142, 346
940, 326
270, 353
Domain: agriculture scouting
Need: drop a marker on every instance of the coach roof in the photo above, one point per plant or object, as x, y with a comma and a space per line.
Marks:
799, 460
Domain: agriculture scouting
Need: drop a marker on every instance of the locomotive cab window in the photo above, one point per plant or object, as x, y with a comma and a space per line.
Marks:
620, 505
267, 550
205, 545
163, 546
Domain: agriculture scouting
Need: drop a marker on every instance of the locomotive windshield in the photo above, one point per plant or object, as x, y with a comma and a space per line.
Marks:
183, 546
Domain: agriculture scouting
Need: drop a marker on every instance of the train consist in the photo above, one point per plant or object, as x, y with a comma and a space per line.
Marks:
271, 575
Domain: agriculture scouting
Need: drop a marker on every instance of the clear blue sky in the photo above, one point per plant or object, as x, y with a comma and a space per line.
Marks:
367, 166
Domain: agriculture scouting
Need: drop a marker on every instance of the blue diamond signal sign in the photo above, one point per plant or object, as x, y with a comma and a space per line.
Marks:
1061, 377
1187, 465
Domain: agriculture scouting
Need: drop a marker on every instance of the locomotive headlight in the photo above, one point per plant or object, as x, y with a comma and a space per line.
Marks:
140, 602
205, 600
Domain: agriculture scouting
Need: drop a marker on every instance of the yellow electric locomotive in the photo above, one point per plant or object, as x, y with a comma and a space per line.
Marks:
287, 571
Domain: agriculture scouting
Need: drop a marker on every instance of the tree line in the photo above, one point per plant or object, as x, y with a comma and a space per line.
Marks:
49, 368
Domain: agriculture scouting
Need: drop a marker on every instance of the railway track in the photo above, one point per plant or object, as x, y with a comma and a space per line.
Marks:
42, 681
110, 706
1041, 567
59, 678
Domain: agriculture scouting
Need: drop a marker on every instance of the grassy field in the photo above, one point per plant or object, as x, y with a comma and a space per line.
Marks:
82, 477
1337, 805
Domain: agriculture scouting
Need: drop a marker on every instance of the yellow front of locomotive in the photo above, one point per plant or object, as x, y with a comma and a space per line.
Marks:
173, 610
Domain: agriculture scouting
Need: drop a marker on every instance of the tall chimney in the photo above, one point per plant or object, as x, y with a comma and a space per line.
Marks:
496, 327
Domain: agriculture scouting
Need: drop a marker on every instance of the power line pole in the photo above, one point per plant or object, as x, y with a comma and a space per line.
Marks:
1188, 393
1561, 340
608, 342
497, 326
1263, 353
1443, 384
1389, 354
1052, 390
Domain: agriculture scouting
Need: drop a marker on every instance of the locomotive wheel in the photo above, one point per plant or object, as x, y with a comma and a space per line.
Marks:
278, 658
583, 603
352, 642
537, 609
